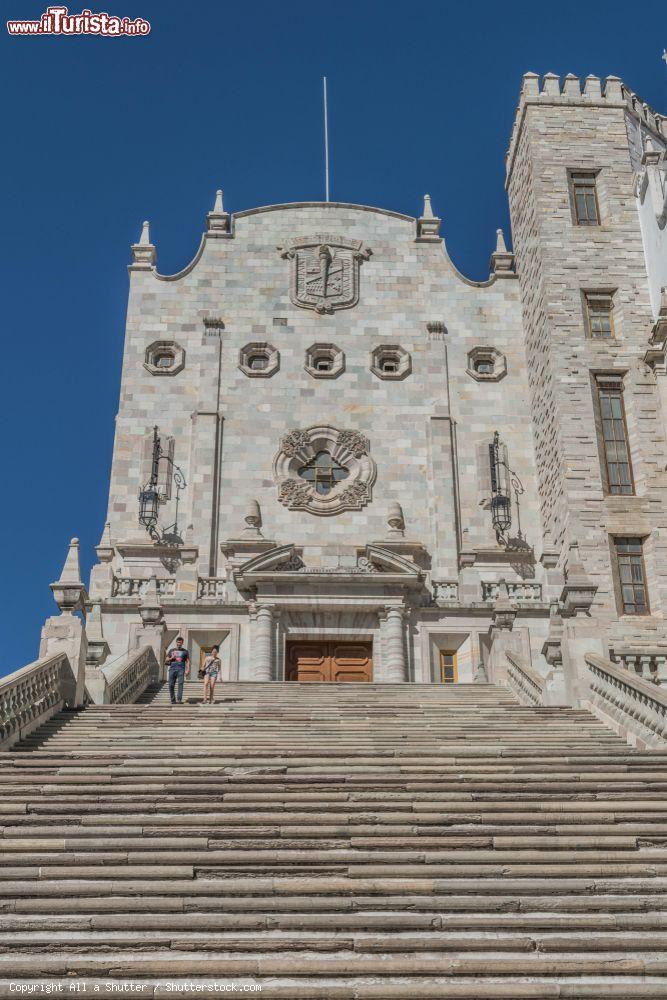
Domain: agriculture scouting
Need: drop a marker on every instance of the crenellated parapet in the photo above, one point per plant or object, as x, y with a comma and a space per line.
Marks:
590, 92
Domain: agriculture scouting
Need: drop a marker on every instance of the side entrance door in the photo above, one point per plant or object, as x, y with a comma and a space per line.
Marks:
329, 661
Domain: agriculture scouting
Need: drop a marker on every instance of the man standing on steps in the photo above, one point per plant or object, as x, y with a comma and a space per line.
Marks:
178, 661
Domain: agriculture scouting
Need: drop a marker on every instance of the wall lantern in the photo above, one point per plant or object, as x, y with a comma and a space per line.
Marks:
504, 482
151, 496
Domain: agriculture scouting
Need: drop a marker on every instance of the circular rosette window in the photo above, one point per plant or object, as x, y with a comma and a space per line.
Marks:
324, 470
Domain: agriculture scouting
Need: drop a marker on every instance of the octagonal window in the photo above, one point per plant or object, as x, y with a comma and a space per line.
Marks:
164, 357
259, 360
324, 361
390, 361
486, 364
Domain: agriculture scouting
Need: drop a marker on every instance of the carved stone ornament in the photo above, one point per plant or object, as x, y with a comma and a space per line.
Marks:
325, 271
324, 470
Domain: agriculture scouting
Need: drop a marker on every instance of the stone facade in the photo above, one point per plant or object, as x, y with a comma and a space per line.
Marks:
345, 332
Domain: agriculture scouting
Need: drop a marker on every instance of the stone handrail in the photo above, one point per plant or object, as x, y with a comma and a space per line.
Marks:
636, 709
524, 682
649, 665
31, 695
125, 681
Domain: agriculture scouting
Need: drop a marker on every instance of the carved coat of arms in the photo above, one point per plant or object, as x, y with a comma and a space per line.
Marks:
325, 271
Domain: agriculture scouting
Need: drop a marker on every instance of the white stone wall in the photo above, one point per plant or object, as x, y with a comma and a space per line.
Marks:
404, 285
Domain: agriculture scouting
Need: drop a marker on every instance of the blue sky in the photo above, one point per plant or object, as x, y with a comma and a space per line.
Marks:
103, 133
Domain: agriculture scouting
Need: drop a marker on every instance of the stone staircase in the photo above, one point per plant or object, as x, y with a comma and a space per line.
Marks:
330, 841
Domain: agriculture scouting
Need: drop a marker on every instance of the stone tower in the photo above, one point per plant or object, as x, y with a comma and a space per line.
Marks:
587, 271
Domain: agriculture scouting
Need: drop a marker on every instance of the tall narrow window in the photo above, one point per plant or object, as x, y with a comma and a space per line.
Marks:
584, 198
448, 668
599, 307
618, 467
631, 575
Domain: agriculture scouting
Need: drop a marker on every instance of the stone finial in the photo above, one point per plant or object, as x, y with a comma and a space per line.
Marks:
150, 607
579, 591
656, 355
395, 520
68, 591
652, 155
105, 547
143, 253
502, 261
71, 571
551, 647
218, 221
481, 676
504, 612
253, 520
97, 646
574, 564
428, 224
550, 552
94, 621
190, 550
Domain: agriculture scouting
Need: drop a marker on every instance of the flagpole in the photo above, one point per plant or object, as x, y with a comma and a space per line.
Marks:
326, 139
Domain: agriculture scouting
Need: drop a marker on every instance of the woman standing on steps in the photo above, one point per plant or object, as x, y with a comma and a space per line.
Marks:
212, 668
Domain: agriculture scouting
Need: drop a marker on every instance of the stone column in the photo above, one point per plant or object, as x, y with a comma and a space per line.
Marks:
262, 646
395, 666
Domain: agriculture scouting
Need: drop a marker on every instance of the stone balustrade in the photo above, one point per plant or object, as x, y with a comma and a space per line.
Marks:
526, 683
635, 708
650, 666
521, 592
121, 683
31, 695
212, 587
445, 590
135, 586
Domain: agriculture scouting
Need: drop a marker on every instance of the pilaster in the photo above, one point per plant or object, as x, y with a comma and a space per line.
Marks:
445, 520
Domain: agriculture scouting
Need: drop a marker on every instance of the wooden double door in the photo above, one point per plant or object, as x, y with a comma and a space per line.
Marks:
329, 661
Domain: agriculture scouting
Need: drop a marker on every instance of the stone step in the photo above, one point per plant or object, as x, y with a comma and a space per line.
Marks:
344, 963
239, 942
91, 918
124, 883
361, 988
385, 841
355, 906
